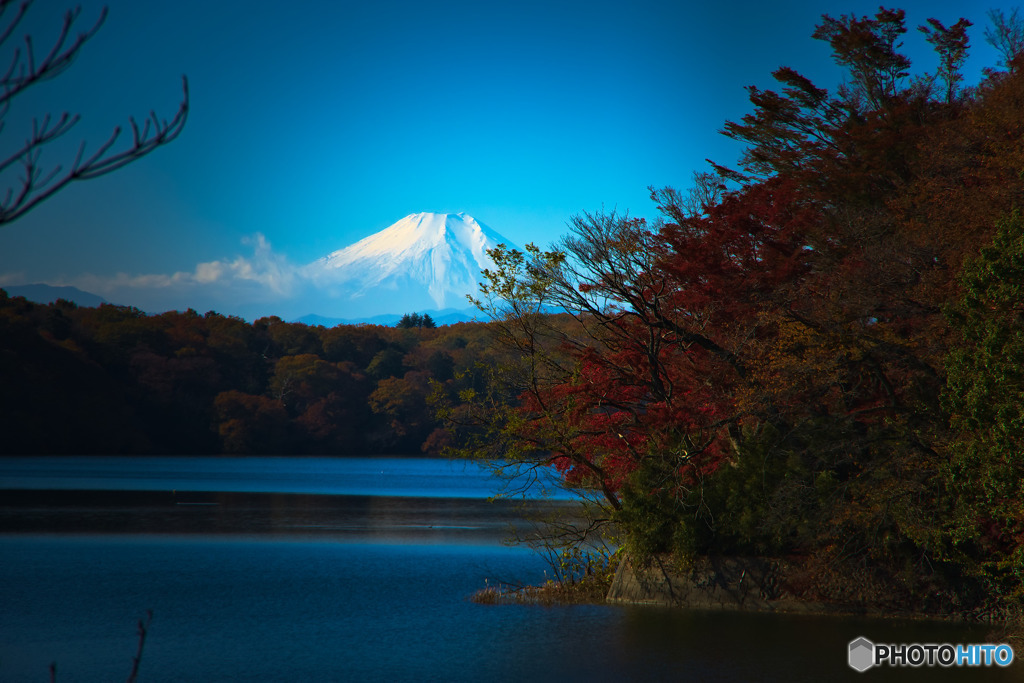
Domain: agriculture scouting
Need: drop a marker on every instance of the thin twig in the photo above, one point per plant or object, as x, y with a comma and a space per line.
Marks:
143, 629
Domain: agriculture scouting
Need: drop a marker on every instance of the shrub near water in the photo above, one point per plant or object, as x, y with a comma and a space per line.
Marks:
580, 578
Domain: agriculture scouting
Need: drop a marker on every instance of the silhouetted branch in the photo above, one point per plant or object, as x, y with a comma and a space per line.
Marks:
37, 184
24, 70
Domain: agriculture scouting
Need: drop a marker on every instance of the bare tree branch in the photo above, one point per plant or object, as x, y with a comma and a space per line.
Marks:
36, 184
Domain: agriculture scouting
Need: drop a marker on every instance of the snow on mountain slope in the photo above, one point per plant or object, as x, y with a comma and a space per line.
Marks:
437, 254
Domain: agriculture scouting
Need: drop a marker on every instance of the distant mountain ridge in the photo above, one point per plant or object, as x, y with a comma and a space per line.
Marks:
425, 261
47, 294
448, 316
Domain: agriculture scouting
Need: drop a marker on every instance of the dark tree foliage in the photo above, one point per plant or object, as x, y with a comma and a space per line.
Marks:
1006, 34
416, 320
951, 44
985, 397
115, 380
868, 48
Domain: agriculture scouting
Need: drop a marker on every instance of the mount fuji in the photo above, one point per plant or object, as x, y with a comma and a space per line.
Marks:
425, 261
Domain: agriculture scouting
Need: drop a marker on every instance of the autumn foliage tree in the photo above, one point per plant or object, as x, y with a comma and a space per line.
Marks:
758, 371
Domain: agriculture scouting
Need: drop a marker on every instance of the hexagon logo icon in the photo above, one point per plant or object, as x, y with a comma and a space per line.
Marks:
862, 654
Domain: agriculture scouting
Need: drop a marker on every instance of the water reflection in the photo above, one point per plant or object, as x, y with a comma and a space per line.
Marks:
381, 518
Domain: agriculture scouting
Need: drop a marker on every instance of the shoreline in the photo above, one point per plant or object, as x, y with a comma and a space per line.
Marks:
724, 584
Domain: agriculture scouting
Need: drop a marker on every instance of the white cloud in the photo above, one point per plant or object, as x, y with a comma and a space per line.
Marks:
13, 278
266, 268
260, 276
209, 272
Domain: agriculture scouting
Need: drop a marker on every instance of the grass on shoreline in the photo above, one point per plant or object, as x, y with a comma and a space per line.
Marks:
590, 589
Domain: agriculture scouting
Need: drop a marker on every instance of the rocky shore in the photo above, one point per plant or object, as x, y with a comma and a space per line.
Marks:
737, 584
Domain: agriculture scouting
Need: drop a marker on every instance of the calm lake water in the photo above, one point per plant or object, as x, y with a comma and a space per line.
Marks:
286, 569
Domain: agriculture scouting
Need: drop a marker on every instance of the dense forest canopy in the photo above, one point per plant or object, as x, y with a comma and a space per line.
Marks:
115, 380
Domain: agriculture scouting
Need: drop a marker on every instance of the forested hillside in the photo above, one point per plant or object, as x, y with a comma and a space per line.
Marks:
115, 380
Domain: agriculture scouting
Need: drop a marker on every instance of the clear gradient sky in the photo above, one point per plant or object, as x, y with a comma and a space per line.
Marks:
316, 123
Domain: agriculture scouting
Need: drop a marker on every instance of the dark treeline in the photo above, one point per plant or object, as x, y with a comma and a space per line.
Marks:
115, 380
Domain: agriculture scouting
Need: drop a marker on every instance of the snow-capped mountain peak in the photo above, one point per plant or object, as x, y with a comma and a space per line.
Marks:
440, 254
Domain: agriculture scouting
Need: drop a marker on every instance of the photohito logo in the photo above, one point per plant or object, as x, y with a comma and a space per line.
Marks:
863, 654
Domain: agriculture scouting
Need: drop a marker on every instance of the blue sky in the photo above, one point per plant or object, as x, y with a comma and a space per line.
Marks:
317, 123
